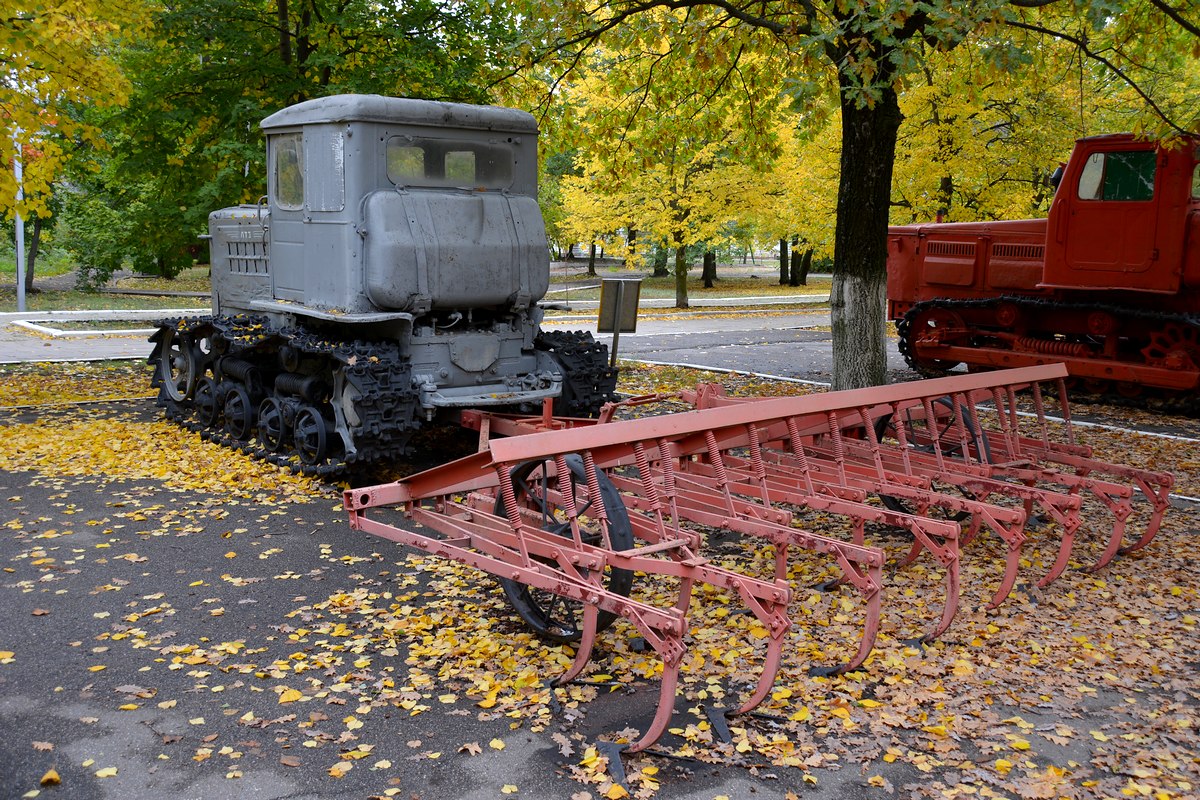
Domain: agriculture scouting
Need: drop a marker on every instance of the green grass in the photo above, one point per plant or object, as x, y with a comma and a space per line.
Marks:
656, 288
76, 300
49, 263
190, 280
194, 279
738, 281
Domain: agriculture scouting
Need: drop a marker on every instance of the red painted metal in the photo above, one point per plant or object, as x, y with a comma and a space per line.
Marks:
956, 447
999, 460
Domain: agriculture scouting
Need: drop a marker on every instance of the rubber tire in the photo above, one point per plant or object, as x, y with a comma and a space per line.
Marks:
895, 503
619, 581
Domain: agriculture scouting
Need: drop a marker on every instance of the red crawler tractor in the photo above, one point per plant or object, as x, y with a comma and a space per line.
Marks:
1108, 284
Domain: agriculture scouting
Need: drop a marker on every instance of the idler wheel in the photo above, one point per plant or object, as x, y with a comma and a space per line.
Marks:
311, 434
239, 413
208, 410
177, 365
273, 429
927, 326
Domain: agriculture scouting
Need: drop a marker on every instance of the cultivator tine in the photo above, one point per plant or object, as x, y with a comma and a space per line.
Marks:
941, 439
861, 566
1154, 486
1038, 459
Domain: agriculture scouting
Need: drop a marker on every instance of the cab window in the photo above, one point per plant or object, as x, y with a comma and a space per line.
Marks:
287, 168
1196, 177
422, 161
1121, 175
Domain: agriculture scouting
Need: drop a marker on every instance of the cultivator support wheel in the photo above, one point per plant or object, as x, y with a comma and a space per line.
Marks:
564, 511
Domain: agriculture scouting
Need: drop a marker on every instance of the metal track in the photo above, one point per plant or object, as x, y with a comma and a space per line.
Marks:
1167, 402
588, 380
385, 405
368, 407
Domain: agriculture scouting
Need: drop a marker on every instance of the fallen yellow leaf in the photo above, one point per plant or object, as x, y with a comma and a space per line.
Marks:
616, 792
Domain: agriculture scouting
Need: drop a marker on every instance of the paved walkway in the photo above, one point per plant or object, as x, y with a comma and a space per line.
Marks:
40, 335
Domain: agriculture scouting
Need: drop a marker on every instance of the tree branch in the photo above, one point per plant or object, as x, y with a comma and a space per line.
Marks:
1083, 47
1174, 14
622, 13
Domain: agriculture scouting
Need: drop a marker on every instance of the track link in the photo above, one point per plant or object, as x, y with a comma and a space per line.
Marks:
588, 380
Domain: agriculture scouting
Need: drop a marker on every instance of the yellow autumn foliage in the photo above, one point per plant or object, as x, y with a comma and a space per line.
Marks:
82, 445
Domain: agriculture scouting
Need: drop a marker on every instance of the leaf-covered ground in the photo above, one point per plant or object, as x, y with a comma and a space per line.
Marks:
222, 610
42, 384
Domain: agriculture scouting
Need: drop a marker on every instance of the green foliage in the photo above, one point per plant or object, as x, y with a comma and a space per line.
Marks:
188, 140
94, 234
136, 229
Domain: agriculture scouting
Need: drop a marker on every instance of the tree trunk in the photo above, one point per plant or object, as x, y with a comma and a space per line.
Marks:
681, 270
592, 261
800, 276
783, 262
35, 243
945, 197
285, 40
797, 257
857, 298
631, 253
710, 269
660, 260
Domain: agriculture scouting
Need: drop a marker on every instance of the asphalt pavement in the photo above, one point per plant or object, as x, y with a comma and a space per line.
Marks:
162, 605
791, 342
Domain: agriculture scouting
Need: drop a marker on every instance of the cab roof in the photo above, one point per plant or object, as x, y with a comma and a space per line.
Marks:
400, 111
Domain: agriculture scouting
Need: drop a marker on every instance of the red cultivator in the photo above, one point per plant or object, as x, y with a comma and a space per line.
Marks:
565, 511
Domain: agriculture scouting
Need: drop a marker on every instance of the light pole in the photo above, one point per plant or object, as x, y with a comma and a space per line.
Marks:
20, 220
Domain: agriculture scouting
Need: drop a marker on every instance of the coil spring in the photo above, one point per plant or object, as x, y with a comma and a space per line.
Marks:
1052, 347
798, 451
565, 487
756, 456
835, 434
668, 469
593, 483
714, 455
643, 465
309, 387
508, 496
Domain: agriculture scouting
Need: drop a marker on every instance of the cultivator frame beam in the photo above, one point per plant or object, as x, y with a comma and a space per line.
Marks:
747, 466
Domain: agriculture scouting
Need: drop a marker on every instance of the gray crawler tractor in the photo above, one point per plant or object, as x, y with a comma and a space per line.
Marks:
389, 279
